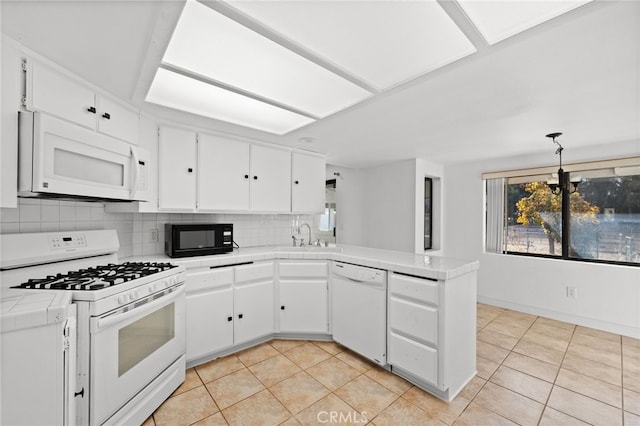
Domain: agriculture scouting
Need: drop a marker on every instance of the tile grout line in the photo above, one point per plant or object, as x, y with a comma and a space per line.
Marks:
564, 355
500, 365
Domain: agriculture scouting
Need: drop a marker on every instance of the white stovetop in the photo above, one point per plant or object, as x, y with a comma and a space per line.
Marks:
436, 267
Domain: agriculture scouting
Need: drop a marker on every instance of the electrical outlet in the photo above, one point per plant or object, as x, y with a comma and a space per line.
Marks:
572, 292
154, 235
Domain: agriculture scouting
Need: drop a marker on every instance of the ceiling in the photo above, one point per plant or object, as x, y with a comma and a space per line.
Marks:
578, 73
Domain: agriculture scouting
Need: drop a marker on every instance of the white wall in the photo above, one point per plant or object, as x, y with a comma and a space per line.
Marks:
382, 206
608, 295
389, 202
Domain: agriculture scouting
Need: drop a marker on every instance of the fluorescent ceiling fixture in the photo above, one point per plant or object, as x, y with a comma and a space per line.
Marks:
208, 43
498, 20
383, 43
187, 94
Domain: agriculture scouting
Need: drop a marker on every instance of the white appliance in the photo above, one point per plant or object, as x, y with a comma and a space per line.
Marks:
61, 159
38, 359
130, 319
359, 310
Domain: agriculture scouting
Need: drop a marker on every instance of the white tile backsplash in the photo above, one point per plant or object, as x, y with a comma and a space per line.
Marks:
134, 229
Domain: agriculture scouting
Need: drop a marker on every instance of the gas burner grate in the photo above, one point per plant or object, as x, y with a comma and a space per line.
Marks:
95, 278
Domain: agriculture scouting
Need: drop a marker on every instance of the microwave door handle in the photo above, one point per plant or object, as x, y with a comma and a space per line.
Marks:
136, 175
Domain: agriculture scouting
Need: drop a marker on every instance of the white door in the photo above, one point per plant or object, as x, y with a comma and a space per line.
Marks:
223, 174
177, 169
308, 177
303, 306
117, 120
49, 90
209, 322
253, 309
270, 179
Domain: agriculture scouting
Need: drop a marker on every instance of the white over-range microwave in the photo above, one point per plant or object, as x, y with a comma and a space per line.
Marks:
60, 159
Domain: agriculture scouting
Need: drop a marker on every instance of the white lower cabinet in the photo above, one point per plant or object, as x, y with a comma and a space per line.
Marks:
228, 306
253, 308
209, 311
431, 328
302, 297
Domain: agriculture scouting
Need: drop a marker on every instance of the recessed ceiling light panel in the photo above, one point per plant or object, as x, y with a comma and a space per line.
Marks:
498, 20
384, 43
180, 92
213, 45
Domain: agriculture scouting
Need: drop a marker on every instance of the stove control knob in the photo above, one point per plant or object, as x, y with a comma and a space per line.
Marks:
122, 299
151, 288
133, 295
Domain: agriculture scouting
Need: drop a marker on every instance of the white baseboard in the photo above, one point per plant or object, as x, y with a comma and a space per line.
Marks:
624, 330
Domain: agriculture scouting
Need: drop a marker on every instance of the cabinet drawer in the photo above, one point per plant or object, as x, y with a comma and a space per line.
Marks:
413, 357
414, 288
208, 279
303, 270
414, 320
260, 271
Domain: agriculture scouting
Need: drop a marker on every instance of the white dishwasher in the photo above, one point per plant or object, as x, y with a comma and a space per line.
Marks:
359, 310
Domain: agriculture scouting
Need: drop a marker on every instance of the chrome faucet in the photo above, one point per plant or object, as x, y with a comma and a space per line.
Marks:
308, 229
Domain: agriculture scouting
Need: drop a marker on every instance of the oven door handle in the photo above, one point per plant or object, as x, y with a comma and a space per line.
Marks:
117, 318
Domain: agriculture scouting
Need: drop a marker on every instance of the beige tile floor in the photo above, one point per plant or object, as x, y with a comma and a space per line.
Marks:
531, 371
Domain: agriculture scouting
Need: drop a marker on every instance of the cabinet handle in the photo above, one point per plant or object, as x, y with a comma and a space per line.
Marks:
246, 176
106, 115
282, 308
229, 318
92, 109
255, 178
296, 182
190, 170
240, 316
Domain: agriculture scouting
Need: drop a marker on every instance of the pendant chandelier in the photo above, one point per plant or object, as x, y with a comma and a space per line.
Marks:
563, 182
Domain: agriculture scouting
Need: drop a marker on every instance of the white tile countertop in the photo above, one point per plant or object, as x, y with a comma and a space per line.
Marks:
436, 267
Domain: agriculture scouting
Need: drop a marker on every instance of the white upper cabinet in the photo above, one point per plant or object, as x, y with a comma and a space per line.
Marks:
202, 172
52, 91
177, 156
223, 174
117, 120
307, 183
270, 179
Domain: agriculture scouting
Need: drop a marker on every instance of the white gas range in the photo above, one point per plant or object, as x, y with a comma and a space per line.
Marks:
130, 319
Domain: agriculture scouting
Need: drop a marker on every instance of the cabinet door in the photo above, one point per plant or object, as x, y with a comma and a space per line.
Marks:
51, 91
308, 177
303, 306
177, 169
253, 308
270, 179
223, 174
209, 322
117, 120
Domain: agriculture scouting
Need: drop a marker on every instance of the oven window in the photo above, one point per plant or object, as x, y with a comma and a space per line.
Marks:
143, 337
197, 239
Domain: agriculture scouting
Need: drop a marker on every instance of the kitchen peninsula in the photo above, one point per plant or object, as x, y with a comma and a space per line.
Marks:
252, 295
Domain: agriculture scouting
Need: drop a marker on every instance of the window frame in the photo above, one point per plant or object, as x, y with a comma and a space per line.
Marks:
565, 209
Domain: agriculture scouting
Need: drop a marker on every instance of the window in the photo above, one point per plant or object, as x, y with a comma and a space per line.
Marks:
428, 213
524, 217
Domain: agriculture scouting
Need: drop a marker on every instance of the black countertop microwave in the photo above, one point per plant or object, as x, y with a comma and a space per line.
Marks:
181, 240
